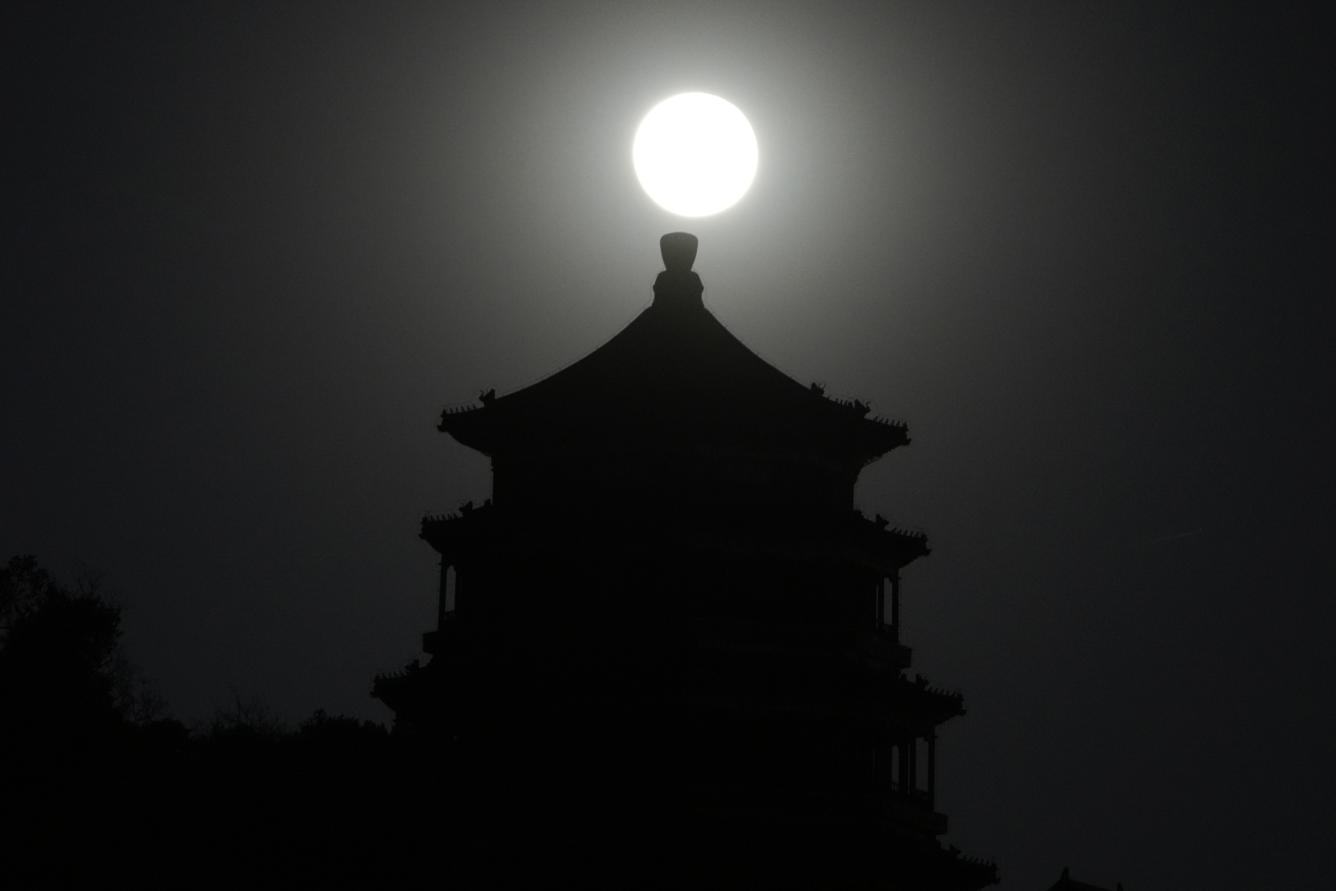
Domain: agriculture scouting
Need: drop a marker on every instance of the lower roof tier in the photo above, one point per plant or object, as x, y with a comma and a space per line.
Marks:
845, 537
470, 683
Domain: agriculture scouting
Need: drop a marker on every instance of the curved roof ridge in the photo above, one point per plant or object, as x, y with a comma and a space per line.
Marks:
674, 366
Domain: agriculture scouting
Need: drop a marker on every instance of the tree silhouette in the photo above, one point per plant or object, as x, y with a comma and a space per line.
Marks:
97, 794
61, 675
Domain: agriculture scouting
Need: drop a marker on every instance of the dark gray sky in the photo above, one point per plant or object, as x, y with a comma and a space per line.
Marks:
1084, 249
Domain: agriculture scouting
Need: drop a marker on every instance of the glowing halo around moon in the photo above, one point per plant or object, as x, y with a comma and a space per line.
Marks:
695, 154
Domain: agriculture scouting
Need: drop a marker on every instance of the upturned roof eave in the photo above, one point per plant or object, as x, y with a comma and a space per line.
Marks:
499, 428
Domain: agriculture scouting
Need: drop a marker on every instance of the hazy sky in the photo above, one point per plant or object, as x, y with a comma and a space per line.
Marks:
1084, 249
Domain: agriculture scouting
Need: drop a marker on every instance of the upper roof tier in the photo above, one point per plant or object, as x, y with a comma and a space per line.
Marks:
674, 379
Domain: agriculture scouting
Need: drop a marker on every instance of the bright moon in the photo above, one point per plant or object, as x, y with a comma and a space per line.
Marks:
695, 154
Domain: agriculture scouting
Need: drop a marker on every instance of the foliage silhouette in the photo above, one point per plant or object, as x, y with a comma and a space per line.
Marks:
99, 787
61, 672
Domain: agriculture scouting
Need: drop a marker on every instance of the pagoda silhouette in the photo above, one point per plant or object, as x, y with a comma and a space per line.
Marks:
668, 645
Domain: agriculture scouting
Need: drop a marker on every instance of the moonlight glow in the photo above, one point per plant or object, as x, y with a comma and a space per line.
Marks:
695, 154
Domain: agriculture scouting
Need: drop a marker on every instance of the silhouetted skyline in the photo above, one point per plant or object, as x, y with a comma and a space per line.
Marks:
1083, 251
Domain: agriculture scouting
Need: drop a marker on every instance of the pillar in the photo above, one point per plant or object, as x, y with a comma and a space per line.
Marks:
911, 786
932, 768
459, 591
895, 602
905, 780
442, 591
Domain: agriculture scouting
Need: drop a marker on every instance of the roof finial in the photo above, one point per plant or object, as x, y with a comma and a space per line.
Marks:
678, 250
677, 286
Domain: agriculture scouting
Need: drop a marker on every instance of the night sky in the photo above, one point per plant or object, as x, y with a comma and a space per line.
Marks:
1083, 249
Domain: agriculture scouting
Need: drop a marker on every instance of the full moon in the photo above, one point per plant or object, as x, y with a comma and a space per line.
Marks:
694, 154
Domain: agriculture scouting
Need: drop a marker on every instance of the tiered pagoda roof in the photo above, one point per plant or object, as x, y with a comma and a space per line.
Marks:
673, 378
670, 571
